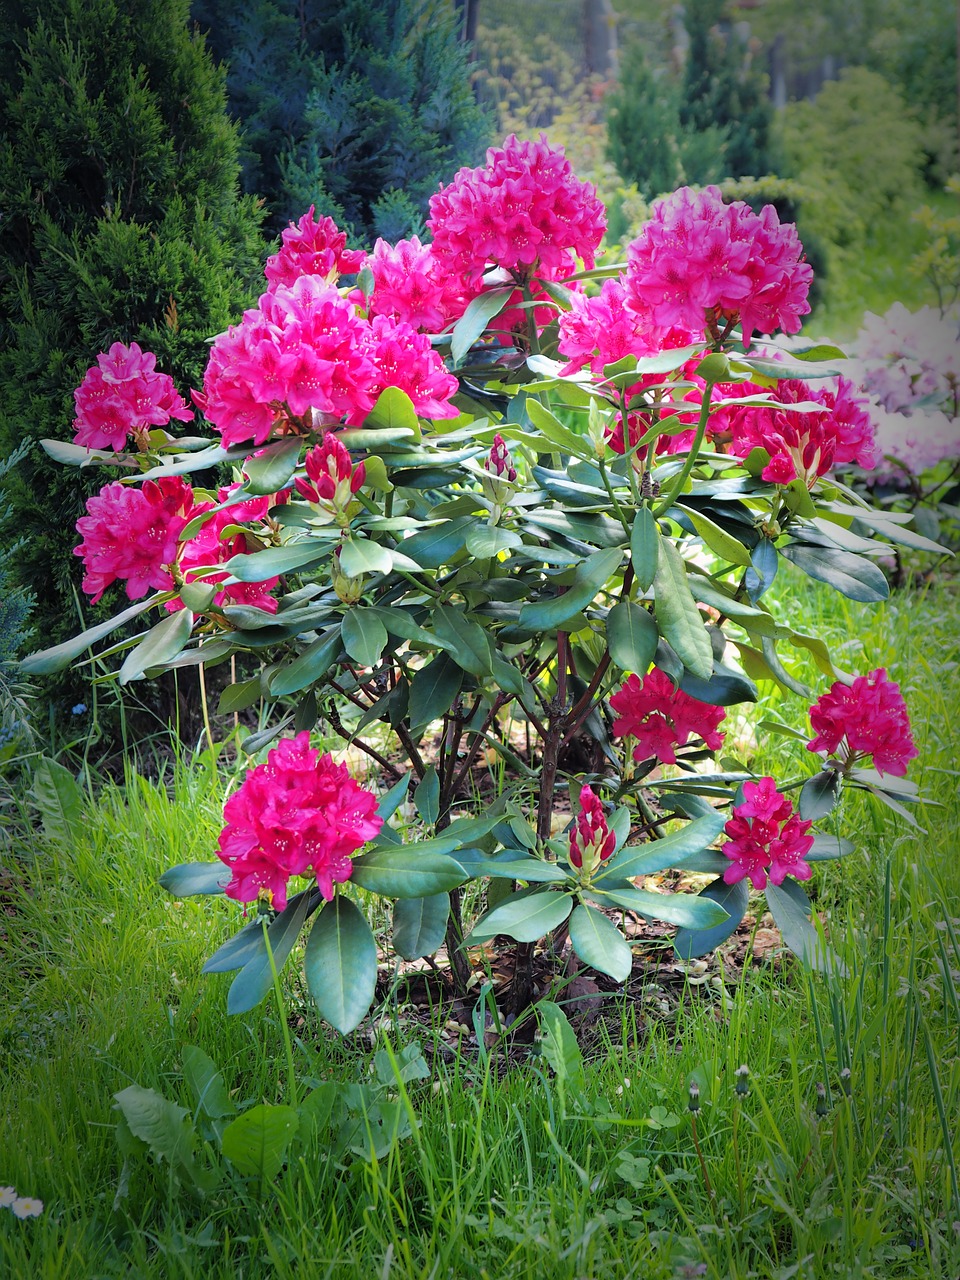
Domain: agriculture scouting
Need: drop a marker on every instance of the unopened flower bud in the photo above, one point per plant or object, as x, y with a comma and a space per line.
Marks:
821, 1107
591, 840
349, 590
742, 1081
332, 479
845, 1081
693, 1104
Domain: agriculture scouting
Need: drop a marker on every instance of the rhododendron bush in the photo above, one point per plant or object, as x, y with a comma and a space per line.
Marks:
481, 482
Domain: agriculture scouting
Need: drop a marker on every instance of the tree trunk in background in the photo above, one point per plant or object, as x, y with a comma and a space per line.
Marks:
467, 10
599, 38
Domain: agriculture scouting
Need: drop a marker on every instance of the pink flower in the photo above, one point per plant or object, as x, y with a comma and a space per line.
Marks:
303, 350
212, 545
662, 717
122, 395
312, 248
300, 814
412, 286
332, 479
591, 840
131, 535
601, 330
767, 839
524, 211
865, 718
405, 359
699, 263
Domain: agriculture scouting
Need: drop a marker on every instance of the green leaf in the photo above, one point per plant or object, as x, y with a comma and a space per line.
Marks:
48, 661
159, 645
486, 541
237, 697
433, 689
678, 618
718, 540
671, 851
164, 1126
271, 562
733, 898
790, 908
394, 409
271, 468
826, 847
589, 576
419, 925
819, 794
435, 547
364, 635
474, 321
525, 916
58, 798
255, 979
558, 1044
725, 688
600, 944
206, 1083
426, 798
196, 877
691, 911
786, 368
394, 798
553, 429
851, 575
359, 556
644, 548
198, 597
256, 1142
511, 865
397, 872
311, 666
632, 636
341, 964
468, 642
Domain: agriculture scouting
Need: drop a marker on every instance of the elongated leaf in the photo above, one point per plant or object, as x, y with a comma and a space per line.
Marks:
364, 635
256, 1142
435, 547
764, 562
271, 468
559, 1046
632, 637
237, 697
474, 321
164, 1126
644, 548
851, 575
791, 909
195, 877
588, 578
525, 916
691, 911
47, 661
485, 541
258, 566
394, 798
206, 1083
733, 898
819, 794
426, 798
359, 556
826, 847
678, 618
510, 865
341, 964
554, 430
256, 978
419, 925
159, 645
599, 943
59, 799
433, 689
311, 666
718, 540
393, 413
671, 851
725, 688
400, 873
467, 641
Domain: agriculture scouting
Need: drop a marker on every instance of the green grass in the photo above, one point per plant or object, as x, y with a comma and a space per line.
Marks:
512, 1173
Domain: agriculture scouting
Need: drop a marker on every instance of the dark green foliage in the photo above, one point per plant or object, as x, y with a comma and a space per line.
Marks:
118, 180
723, 93
358, 108
643, 126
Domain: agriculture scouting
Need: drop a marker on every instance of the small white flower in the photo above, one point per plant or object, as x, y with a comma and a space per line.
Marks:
25, 1207
7, 1196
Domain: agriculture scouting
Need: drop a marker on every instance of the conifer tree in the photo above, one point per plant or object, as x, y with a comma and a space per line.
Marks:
359, 107
121, 222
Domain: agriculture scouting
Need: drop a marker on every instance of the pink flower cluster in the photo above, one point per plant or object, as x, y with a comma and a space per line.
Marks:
300, 814
410, 284
591, 840
662, 717
132, 535
866, 718
911, 360
699, 263
305, 351
524, 211
766, 838
312, 248
601, 330
123, 395
917, 442
331, 479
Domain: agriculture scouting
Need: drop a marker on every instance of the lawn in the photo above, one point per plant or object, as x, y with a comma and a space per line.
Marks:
434, 1155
